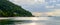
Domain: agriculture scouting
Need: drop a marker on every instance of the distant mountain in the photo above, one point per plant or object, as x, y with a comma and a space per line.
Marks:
8, 9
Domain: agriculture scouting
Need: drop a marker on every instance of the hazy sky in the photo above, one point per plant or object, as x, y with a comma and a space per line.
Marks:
44, 6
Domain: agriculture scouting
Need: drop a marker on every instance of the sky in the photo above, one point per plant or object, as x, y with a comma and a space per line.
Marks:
40, 7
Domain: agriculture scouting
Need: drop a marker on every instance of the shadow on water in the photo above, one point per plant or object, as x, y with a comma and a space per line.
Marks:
13, 22
9, 22
6, 22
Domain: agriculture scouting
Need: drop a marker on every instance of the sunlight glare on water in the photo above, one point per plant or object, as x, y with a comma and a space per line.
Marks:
28, 24
35, 18
40, 18
31, 18
33, 23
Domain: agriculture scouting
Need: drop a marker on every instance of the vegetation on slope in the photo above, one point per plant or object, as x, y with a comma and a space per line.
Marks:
8, 9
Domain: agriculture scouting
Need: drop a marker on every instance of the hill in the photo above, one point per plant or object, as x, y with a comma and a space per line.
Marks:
8, 9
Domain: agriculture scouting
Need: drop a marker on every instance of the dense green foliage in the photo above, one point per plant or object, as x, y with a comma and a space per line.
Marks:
8, 9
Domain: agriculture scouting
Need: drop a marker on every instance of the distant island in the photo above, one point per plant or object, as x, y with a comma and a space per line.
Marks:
8, 9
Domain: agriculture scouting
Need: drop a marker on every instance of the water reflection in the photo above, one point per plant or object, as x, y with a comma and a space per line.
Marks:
6, 22
34, 21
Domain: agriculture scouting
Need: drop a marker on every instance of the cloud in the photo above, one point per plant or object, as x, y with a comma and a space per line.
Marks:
49, 6
53, 1
36, 13
43, 13
57, 4
28, 1
40, 6
40, 1
56, 12
30, 5
21, 2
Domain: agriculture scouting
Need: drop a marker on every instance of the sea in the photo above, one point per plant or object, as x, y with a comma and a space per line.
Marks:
36, 20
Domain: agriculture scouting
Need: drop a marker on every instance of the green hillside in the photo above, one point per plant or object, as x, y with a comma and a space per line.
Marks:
8, 9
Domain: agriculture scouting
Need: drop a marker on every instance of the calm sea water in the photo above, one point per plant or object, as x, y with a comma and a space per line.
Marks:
41, 21
34, 21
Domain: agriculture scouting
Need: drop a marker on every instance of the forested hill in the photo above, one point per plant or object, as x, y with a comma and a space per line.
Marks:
8, 9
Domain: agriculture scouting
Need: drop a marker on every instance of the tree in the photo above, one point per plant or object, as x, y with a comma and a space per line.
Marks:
8, 9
